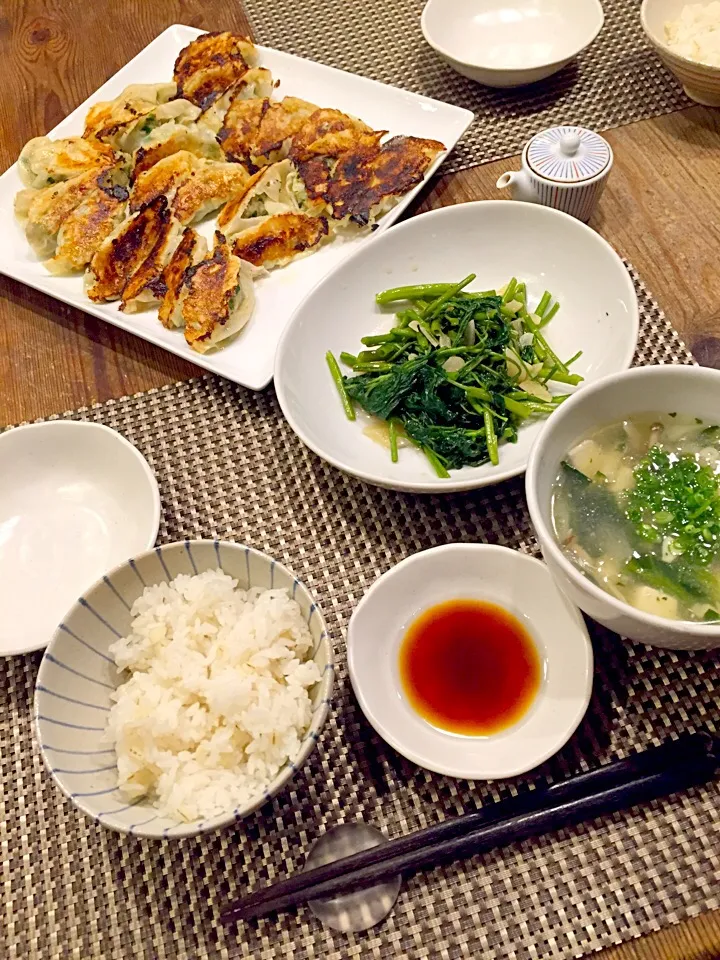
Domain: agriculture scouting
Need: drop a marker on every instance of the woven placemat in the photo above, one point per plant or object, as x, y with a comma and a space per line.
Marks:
229, 467
617, 81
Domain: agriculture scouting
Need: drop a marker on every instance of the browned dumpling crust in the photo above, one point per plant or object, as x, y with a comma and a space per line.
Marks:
279, 239
125, 251
219, 298
209, 185
208, 66
190, 251
367, 180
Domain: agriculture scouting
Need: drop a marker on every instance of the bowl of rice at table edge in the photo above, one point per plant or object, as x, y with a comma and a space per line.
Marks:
686, 37
184, 689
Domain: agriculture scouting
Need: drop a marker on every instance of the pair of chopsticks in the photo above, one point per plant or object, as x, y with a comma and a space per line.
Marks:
688, 761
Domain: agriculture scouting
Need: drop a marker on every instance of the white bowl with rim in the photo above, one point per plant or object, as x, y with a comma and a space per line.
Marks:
690, 390
76, 499
510, 44
77, 678
512, 580
494, 239
701, 81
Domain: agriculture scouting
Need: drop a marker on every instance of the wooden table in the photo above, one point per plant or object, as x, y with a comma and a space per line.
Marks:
661, 210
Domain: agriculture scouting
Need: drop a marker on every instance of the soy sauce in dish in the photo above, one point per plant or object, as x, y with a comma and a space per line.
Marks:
469, 667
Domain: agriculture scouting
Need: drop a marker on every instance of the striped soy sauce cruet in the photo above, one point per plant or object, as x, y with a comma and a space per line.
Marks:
564, 167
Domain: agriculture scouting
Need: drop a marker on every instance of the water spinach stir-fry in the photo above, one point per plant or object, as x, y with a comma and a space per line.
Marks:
458, 373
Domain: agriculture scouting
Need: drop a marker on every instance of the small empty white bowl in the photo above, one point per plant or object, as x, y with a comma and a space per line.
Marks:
77, 678
509, 44
512, 580
76, 499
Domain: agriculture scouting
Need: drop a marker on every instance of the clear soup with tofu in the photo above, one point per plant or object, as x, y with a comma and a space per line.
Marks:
636, 508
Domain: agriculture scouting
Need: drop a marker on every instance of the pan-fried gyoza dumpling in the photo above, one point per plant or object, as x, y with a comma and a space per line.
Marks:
240, 127
43, 161
208, 187
87, 227
275, 241
146, 287
163, 178
130, 134
279, 124
105, 118
329, 133
368, 181
205, 68
171, 138
190, 251
124, 252
257, 83
315, 149
218, 299
42, 212
265, 194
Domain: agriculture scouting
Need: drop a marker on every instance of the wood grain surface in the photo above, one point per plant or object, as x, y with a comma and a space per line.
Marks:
661, 210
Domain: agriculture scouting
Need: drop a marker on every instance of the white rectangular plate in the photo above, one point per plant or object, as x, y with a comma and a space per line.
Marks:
249, 358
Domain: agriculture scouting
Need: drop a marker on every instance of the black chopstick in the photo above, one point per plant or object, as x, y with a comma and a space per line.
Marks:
675, 765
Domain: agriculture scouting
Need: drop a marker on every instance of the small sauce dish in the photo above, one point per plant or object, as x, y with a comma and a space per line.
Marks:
552, 685
510, 44
76, 499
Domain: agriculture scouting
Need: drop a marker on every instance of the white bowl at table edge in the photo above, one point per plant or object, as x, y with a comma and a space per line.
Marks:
493, 75
529, 729
82, 431
601, 403
468, 478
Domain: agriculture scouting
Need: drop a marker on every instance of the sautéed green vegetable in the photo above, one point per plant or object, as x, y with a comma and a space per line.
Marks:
636, 507
459, 372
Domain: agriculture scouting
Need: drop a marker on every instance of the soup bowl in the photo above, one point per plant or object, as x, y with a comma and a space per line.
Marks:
689, 390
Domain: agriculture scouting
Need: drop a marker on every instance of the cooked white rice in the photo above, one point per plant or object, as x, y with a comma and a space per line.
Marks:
217, 701
696, 33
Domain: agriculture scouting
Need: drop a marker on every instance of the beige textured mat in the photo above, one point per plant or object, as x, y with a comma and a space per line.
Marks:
229, 467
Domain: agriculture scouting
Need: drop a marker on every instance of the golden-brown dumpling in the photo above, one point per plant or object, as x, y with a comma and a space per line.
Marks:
266, 193
86, 228
142, 119
43, 161
171, 138
206, 67
276, 241
105, 118
282, 120
124, 251
257, 83
163, 178
146, 288
190, 251
209, 185
369, 180
42, 212
219, 298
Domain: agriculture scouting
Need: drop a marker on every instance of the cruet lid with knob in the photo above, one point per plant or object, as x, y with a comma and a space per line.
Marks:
568, 154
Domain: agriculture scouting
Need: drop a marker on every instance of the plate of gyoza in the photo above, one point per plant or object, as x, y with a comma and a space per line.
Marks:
200, 193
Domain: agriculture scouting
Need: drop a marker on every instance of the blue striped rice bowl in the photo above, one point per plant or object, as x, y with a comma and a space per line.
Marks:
77, 677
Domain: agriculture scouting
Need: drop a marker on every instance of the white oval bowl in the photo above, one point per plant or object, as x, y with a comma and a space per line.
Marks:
506, 44
76, 499
524, 587
495, 239
700, 81
685, 389
77, 677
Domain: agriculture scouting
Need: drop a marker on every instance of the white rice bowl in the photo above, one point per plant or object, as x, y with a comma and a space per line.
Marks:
217, 701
